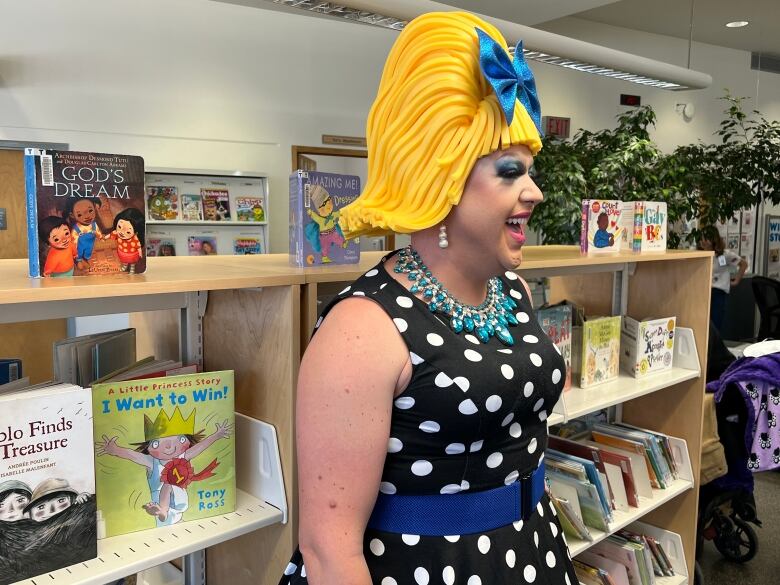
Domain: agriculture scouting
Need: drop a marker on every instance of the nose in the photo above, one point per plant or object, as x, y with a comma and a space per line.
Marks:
530, 192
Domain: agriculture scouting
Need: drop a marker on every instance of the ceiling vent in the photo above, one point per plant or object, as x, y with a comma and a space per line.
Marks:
765, 62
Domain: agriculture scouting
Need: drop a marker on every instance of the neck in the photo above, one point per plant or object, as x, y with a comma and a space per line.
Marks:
466, 280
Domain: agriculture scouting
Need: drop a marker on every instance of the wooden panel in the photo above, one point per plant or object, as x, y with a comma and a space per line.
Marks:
592, 291
157, 334
13, 241
681, 289
257, 334
32, 343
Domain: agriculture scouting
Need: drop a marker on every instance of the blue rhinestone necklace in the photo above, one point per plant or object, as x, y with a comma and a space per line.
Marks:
492, 318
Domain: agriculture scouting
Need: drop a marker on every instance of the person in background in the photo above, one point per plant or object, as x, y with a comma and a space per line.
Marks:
723, 263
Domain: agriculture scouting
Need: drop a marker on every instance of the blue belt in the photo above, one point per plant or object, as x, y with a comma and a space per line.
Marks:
461, 513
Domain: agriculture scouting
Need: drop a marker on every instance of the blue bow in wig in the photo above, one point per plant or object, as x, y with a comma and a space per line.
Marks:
511, 79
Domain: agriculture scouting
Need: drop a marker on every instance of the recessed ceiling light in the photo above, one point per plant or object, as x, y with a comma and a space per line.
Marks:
737, 24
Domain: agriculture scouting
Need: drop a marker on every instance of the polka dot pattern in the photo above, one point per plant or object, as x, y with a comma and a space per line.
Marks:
472, 417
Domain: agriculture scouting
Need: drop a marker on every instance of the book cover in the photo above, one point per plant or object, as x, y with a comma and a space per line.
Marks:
47, 481
650, 226
250, 209
315, 235
556, 322
244, 246
85, 213
647, 347
160, 246
10, 370
603, 229
191, 207
600, 350
216, 204
202, 245
165, 450
162, 202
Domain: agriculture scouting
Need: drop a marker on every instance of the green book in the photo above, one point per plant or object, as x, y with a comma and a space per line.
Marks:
165, 450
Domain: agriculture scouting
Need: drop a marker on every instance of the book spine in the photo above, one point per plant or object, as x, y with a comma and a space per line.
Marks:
639, 212
584, 226
32, 212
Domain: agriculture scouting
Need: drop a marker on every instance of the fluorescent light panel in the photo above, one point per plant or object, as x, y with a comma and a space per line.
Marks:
365, 17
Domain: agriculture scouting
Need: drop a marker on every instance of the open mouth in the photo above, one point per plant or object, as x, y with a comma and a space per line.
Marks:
516, 226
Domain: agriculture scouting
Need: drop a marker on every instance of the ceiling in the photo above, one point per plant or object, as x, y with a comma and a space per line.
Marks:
672, 18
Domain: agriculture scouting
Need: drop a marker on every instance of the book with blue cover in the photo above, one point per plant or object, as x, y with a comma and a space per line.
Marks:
85, 213
316, 238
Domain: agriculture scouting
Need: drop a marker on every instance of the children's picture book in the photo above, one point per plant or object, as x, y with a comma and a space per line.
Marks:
164, 450
85, 213
243, 246
250, 209
162, 202
556, 322
216, 204
47, 481
596, 350
191, 207
202, 245
315, 235
160, 246
603, 229
650, 226
647, 346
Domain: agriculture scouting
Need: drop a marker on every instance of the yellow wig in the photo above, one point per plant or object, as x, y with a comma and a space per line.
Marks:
435, 114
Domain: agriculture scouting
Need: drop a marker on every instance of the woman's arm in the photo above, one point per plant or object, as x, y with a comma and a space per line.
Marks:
742, 268
347, 381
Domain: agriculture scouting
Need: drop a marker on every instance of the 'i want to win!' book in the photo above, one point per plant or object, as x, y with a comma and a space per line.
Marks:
164, 450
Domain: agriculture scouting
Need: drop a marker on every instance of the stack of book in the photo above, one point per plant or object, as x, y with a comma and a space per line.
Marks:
612, 226
610, 467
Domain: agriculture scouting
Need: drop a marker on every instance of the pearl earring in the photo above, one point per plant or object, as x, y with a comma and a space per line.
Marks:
443, 241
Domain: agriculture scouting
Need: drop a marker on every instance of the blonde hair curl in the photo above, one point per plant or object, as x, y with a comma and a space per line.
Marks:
434, 115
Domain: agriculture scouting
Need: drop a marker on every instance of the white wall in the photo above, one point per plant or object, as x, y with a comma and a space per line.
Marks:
200, 84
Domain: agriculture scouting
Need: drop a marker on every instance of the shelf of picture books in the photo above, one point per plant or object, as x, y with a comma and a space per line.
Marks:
200, 213
605, 476
614, 359
103, 475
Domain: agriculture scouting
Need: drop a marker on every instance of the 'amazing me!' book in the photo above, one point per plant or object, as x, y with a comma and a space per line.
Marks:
85, 213
165, 450
47, 481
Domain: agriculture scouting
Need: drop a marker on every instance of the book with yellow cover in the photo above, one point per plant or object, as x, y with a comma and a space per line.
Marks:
165, 450
597, 349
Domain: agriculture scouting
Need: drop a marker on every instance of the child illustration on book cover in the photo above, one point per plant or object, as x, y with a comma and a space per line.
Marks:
169, 445
128, 233
82, 214
324, 230
57, 246
602, 238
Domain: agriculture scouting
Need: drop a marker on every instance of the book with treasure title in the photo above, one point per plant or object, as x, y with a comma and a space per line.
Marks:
165, 450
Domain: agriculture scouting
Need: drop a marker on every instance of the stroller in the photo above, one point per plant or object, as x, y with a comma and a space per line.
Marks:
727, 507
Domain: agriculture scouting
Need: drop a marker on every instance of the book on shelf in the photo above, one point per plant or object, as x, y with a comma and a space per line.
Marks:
556, 322
618, 574
202, 245
216, 204
647, 346
596, 350
315, 235
250, 209
165, 450
604, 228
588, 575
47, 481
570, 517
159, 245
247, 245
650, 226
84, 359
592, 475
191, 207
162, 202
10, 370
85, 213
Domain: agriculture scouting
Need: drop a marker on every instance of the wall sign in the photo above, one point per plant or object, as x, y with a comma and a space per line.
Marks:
627, 99
556, 126
344, 140
772, 249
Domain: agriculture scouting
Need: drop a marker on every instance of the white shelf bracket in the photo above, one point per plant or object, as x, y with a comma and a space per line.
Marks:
194, 565
191, 335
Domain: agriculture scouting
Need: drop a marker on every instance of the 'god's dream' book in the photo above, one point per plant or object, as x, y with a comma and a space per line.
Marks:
85, 213
165, 450
47, 481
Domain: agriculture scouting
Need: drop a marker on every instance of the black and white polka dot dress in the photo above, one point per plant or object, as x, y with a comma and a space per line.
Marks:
472, 418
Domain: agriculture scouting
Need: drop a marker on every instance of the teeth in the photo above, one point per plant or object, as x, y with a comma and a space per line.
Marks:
517, 220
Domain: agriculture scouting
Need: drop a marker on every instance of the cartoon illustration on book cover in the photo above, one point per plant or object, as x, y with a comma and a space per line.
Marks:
47, 486
602, 226
250, 209
165, 450
323, 232
216, 204
191, 208
245, 246
162, 202
73, 201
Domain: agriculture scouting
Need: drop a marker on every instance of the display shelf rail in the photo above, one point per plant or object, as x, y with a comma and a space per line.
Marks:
124, 555
128, 554
581, 401
195, 223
